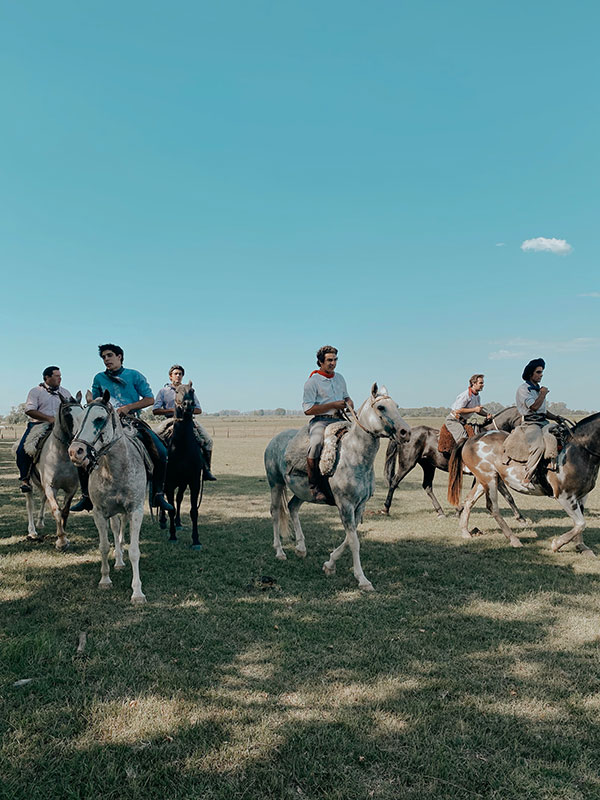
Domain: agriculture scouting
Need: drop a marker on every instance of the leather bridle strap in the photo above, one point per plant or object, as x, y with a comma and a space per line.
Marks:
358, 422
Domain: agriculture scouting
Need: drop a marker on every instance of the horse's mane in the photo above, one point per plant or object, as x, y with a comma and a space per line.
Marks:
581, 426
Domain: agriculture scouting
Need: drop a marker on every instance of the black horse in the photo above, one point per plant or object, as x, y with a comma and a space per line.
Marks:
186, 464
422, 449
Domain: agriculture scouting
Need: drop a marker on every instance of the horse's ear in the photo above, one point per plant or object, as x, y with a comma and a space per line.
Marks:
374, 390
106, 396
383, 390
190, 385
62, 398
78, 397
88, 397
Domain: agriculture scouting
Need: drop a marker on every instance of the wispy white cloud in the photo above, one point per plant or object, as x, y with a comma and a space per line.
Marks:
589, 294
543, 245
500, 244
500, 355
524, 348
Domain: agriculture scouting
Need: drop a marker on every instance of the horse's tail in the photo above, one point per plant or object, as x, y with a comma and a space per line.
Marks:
390, 461
455, 474
279, 510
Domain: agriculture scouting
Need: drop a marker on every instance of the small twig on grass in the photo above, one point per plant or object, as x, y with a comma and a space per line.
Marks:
82, 643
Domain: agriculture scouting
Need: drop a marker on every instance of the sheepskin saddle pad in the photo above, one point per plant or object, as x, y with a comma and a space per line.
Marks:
516, 448
35, 441
295, 454
446, 440
164, 431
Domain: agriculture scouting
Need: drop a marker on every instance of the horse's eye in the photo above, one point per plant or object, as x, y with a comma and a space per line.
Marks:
381, 408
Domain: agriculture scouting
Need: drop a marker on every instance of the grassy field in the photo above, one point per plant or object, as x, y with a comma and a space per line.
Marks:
472, 671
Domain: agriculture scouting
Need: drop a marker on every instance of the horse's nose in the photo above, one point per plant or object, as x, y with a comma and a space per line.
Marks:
76, 452
405, 434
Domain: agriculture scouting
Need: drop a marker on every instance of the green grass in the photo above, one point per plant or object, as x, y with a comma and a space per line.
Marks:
472, 671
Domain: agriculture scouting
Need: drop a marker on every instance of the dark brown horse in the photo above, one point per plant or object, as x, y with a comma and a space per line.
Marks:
422, 449
574, 479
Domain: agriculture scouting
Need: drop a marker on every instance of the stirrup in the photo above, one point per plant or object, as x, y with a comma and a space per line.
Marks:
85, 504
208, 476
25, 487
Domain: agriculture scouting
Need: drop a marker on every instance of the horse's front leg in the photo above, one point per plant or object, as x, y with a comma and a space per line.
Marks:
293, 508
62, 543
348, 517
179, 500
575, 512
170, 494
117, 524
32, 533
135, 523
103, 527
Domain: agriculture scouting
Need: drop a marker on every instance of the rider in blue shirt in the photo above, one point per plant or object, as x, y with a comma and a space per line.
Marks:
129, 394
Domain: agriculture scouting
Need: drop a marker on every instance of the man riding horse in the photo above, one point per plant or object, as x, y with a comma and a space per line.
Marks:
164, 406
41, 406
531, 404
129, 394
325, 397
467, 403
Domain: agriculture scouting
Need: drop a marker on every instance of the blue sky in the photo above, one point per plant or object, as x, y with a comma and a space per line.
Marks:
230, 185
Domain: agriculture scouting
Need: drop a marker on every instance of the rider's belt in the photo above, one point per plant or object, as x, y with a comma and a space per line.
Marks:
534, 418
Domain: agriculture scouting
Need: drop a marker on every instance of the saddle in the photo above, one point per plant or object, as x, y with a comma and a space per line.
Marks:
35, 441
296, 451
517, 449
164, 431
130, 429
446, 440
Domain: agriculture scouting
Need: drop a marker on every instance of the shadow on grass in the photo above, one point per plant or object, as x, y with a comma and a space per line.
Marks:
450, 681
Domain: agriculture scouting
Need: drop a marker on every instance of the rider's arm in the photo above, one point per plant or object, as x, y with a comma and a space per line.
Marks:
39, 416
137, 406
472, 410
324, 408
540, 399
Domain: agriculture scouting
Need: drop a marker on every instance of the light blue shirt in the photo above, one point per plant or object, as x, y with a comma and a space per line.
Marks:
166, 398
526, 397
318, 389
131, 387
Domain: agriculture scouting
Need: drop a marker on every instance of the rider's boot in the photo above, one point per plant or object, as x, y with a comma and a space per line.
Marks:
158, 453
85, 504
208, 476
314, 477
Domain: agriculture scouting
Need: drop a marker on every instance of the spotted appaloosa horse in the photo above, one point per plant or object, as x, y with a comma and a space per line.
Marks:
352, 483
422, 449
117, 484
576, 475
54, 472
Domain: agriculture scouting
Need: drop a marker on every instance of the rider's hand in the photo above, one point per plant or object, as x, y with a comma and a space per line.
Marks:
478, 409
339, 405
544, 390
122, 410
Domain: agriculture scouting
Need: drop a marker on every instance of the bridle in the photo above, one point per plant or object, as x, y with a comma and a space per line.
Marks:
93, 454
386, 425
57, 429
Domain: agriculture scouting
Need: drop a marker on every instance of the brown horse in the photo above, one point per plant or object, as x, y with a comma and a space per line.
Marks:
422, 449
577, 471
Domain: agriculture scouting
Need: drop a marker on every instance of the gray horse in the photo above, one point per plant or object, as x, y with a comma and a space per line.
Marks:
352, 484
54, 472
117, 484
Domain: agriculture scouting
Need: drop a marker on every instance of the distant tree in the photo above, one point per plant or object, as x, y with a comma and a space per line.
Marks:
149, 417
279, 412
16, 415
559, 408
493, 407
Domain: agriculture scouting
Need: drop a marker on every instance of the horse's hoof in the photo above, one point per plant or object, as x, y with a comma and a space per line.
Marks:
34, 537
555, 545
196, 546
139, 601
173, 540
281, 556
107, 585
62, 547
366, 587
118, 567
300, 553
440, 515
328, 569
588, 553
162, 525
465, 535
515, 541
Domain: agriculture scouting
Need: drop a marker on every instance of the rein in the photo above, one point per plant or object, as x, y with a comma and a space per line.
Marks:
58, 429
353, 414
95, 455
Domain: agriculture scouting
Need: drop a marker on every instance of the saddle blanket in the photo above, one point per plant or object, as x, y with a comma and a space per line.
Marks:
295, 455
35, 441
446, 440
517, 449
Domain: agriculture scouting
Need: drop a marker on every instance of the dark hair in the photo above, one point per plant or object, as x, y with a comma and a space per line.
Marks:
475, 377
322, 352
531, 367
177, 366
118, 351
48, 372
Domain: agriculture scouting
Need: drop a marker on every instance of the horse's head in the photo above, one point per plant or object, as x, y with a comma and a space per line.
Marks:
379, 416
69, 415
185, 400
97, 428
